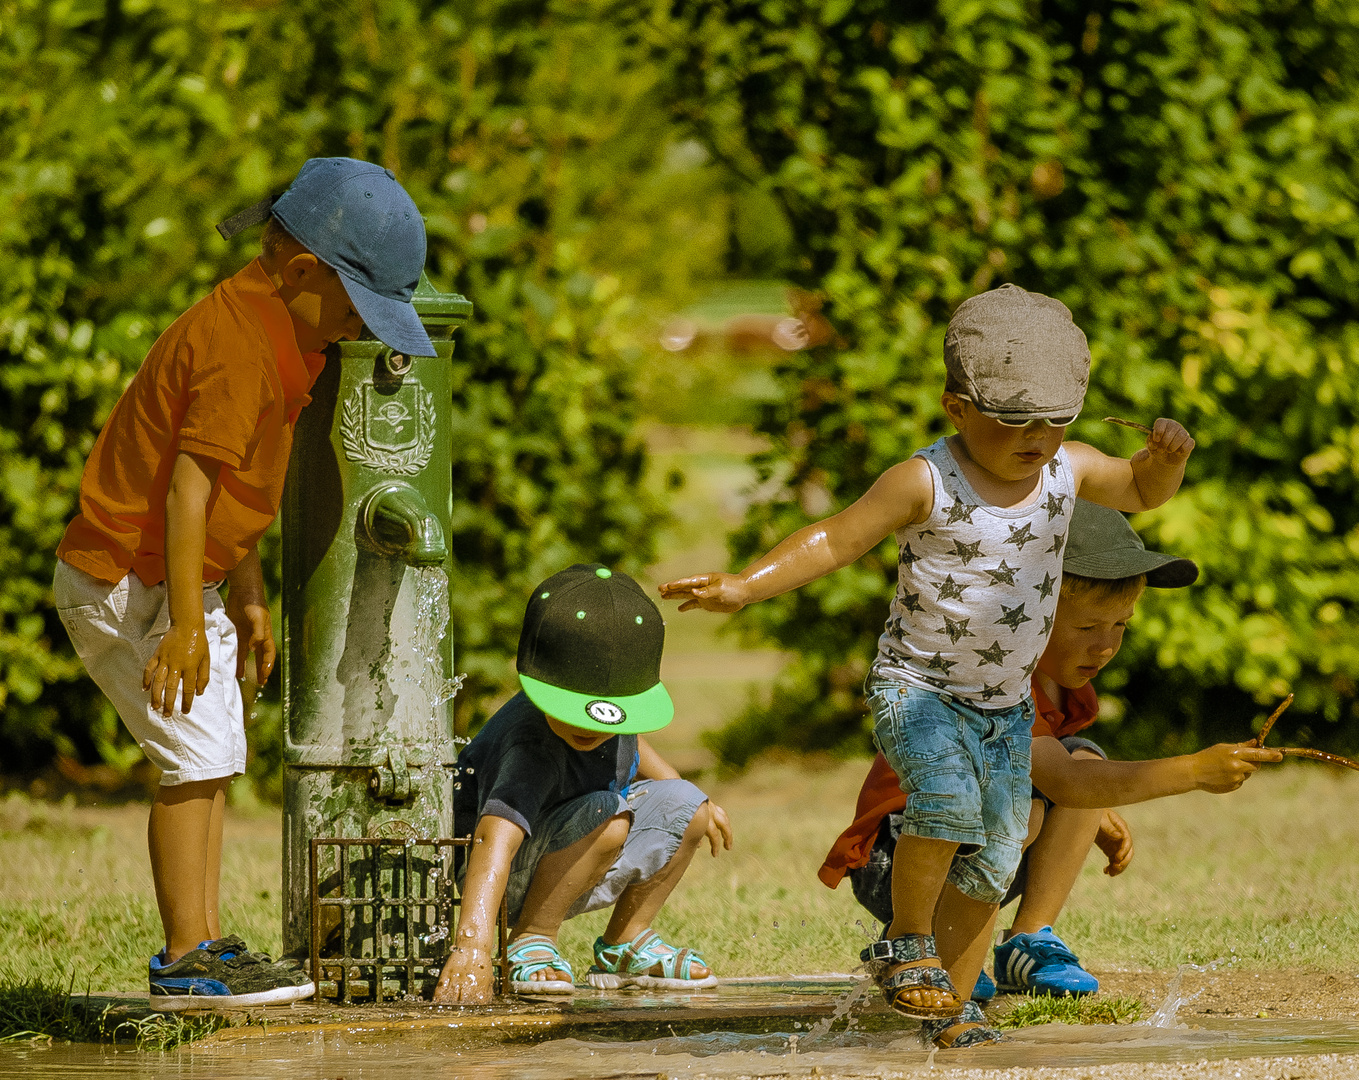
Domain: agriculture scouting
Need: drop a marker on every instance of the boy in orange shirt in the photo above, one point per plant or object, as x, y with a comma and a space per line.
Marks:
1104, 571
183, 481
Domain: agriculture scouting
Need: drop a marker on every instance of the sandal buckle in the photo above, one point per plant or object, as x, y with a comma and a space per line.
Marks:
900, 950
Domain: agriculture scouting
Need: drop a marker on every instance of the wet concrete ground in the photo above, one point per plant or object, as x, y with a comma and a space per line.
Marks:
1225, 993
757, 1028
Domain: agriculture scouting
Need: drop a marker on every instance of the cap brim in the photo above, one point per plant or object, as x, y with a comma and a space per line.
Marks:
1029, 415
1163, 571
648, 711
393, 322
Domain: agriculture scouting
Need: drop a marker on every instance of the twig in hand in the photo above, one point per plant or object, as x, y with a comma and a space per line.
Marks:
1298, 751
1318, 755
1259, 740
1128, 423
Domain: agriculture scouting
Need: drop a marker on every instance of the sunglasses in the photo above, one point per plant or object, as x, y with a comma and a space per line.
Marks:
1056, 421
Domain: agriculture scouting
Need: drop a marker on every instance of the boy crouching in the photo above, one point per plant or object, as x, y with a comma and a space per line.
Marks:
575, 811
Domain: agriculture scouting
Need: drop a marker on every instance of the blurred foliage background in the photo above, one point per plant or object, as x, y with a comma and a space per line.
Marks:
1180, 173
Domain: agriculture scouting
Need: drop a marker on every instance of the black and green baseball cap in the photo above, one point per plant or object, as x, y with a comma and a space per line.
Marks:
590, 652
1101, 544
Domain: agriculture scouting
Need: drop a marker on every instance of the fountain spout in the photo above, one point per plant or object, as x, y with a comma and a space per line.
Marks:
394, 521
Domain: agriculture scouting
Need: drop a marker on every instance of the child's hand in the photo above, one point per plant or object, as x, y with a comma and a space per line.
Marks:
181, 654
1168, 445
1115, 840
466, 978
1226, 766
254, 633
711, 592
719, 828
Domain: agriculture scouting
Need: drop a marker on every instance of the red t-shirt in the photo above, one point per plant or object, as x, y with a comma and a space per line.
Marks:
882, 795
225, 381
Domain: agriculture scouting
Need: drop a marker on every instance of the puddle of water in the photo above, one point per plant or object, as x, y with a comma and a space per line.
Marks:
442, 1052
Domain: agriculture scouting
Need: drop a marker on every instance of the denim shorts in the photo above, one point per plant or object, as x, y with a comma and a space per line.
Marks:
965, 772
872, 882
660, 811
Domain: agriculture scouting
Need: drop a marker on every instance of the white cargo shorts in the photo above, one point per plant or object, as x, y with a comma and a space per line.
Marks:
115, 630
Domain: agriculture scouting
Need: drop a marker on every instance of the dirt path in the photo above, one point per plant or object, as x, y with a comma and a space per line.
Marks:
1290, 993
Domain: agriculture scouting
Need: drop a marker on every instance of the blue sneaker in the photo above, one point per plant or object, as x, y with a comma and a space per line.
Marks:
224, 974
984, 990
1041, 963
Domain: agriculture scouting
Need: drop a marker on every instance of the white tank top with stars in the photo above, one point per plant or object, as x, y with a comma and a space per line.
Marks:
977, 587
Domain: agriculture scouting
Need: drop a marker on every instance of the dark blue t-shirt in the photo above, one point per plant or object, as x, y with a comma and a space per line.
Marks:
516, 768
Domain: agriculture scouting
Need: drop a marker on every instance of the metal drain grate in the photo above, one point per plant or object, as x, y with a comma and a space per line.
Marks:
383, 912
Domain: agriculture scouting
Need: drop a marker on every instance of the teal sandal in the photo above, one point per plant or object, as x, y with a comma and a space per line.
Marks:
630, 963
533, 953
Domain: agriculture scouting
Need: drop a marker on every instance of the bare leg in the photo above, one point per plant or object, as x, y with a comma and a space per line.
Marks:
640, 902
563, 877
1055, 861
212, 882
963, 933
919, 869
179, 836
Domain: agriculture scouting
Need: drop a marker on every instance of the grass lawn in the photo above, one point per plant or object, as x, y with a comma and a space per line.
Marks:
1260, 877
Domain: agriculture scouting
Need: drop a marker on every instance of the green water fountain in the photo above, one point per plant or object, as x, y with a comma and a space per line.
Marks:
369, 753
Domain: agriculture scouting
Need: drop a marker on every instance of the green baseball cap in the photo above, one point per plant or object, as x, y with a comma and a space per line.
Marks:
1101, 544
590, 652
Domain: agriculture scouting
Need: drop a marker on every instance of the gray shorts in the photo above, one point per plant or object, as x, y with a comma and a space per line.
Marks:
661, 811
872, 883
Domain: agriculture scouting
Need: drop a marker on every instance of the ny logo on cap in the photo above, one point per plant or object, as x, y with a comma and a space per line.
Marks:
605, 712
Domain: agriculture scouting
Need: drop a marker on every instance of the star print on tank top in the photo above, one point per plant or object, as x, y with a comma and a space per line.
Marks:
977, 587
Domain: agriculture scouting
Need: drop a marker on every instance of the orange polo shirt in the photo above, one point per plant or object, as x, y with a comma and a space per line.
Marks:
882, 795
225, 381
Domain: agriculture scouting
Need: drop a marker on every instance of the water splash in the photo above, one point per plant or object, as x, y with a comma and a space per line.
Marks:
1164, 1017
843, 1008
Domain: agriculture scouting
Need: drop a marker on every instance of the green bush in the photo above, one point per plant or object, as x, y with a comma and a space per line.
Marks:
1180, 173
547, 173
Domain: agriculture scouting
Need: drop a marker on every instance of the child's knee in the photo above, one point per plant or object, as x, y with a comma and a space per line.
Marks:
614, 832
698, 824
1037, 813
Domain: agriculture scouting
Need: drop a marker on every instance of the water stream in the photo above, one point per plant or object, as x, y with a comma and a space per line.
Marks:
431, 627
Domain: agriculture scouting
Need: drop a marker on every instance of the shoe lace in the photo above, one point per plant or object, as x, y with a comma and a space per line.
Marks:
1050, 950
232, 950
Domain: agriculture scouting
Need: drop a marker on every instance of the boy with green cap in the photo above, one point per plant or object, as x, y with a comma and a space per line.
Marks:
1104, 572
574, 810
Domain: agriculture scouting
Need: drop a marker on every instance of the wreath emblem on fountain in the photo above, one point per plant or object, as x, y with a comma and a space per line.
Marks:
391, 433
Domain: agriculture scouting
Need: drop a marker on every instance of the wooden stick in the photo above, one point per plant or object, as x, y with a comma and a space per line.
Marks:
1259, 740
1128, 423
1318, 755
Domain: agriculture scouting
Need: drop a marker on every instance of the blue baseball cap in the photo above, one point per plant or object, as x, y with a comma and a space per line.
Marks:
357, 219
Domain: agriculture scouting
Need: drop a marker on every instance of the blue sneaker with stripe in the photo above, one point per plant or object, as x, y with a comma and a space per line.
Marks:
1041, 963
224, 974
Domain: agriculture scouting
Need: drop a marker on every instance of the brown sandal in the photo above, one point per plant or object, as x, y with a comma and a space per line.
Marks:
878, 956
935, 1032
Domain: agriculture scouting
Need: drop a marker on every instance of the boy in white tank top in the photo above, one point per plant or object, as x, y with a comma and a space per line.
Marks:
980, 519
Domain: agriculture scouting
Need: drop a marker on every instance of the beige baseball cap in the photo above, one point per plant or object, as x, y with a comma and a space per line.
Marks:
1018, 355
